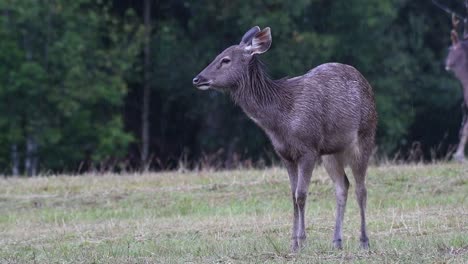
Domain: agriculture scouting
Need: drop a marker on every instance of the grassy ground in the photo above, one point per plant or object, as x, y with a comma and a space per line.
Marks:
416, 214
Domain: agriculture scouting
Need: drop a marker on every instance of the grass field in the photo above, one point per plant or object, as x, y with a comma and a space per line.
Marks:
416, 214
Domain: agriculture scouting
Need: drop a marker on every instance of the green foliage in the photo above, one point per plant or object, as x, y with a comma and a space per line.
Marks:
62, 80
71, 74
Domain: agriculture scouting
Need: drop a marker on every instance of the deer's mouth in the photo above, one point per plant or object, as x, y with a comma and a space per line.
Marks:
204, 86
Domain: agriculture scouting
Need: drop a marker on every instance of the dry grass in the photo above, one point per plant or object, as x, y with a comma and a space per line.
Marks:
417, 214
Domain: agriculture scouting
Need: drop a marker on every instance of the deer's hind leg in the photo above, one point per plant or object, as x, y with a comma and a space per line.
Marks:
359, 161
334, 166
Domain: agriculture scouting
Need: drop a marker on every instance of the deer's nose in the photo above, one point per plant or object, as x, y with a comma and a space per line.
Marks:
196, 80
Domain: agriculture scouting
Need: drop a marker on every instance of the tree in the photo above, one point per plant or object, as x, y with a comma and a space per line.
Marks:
145, 129
62, 92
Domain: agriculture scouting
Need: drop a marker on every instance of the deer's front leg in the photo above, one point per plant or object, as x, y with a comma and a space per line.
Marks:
305, 167
459, 155
292, 173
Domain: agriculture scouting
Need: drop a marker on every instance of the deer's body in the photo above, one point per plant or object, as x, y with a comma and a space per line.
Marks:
324, 110
328, 112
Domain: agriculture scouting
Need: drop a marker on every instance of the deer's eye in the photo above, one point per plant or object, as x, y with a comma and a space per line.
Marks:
225, 60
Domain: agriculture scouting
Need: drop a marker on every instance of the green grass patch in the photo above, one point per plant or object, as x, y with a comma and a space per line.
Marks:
416, 214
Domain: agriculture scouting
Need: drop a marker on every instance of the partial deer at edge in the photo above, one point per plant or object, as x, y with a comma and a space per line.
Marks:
457, 62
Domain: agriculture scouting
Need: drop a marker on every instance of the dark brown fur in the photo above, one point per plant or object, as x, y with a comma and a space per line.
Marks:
328, 112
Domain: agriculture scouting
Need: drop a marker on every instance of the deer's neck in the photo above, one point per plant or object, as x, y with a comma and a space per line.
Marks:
464, 80
259, 96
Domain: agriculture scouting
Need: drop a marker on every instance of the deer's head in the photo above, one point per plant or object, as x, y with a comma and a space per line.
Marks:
457, 57
229, 67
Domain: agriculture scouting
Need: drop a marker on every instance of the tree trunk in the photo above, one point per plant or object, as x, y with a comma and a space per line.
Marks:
146, 88
31, 160
14, 160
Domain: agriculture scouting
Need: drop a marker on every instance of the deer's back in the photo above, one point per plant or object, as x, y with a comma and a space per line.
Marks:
333, 106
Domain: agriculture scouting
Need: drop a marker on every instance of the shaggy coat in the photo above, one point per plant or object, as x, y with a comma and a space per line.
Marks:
328, 112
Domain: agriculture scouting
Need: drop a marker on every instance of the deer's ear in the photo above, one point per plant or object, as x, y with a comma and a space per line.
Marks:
247, 38
261, 42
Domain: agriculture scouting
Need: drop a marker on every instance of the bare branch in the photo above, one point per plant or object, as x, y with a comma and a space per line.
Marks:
465, 22
448, 10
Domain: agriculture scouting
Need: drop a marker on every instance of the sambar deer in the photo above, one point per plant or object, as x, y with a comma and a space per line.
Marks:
328, 112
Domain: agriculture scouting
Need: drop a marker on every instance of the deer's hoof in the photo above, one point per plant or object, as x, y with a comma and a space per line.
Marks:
364, 244
294, 246
297, 244
337, 244
459, 157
